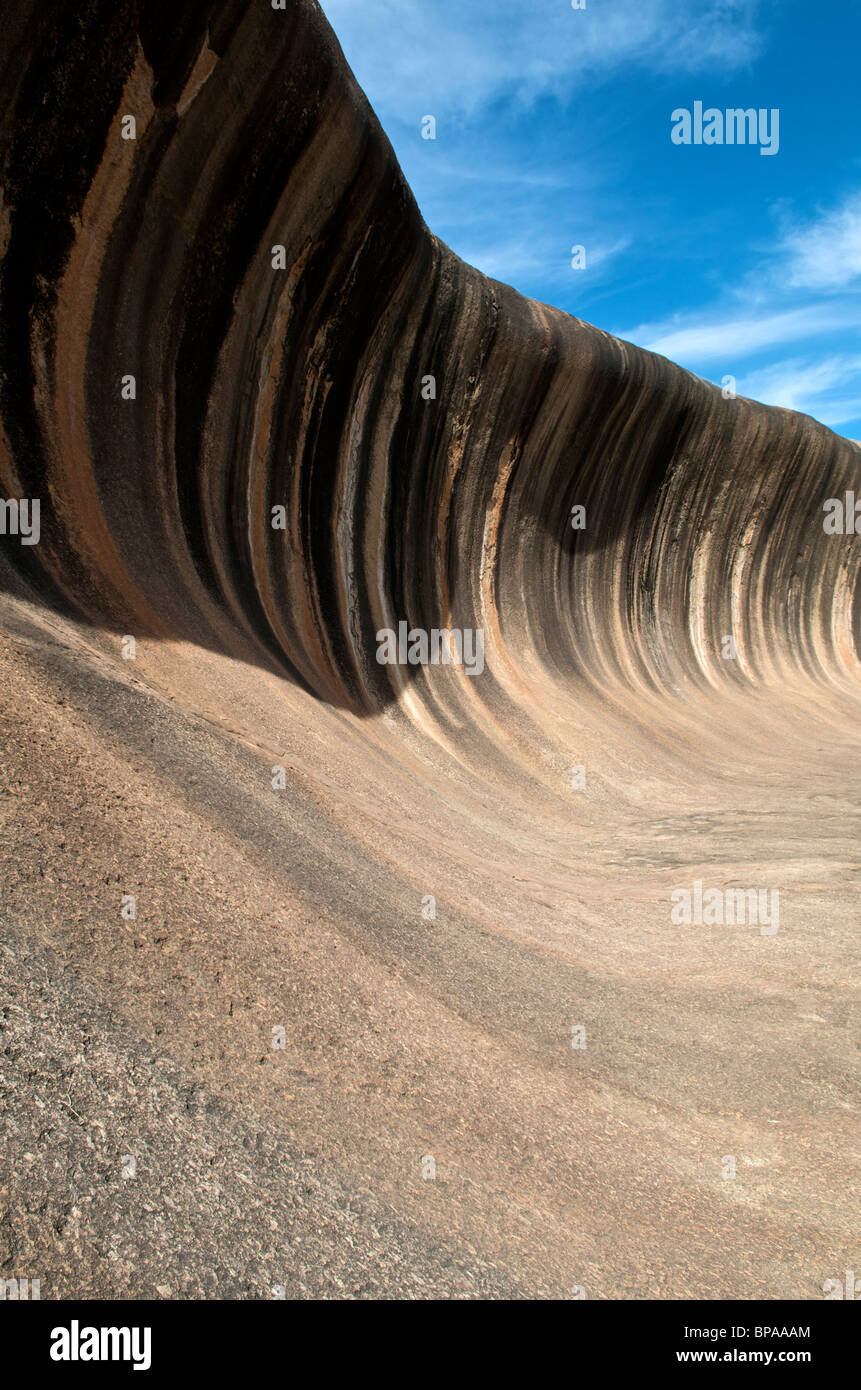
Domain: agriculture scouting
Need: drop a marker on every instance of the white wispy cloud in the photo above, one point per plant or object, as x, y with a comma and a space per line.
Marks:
455, 57
824, 253
816, 387
522, 258
821, 253
709, 335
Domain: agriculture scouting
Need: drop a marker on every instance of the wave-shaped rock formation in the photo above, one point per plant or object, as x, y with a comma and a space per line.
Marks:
371, 974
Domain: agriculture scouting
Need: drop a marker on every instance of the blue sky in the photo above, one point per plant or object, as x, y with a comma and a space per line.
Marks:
553, 130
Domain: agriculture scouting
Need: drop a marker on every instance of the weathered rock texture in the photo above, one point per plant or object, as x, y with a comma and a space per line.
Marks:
301, 908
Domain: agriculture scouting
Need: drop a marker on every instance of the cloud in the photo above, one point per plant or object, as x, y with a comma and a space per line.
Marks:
604, 252
824, 254
519, 259
784, 305
815, 387
702, 337
452, 57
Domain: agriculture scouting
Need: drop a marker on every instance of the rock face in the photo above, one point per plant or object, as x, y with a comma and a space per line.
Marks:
238, 317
